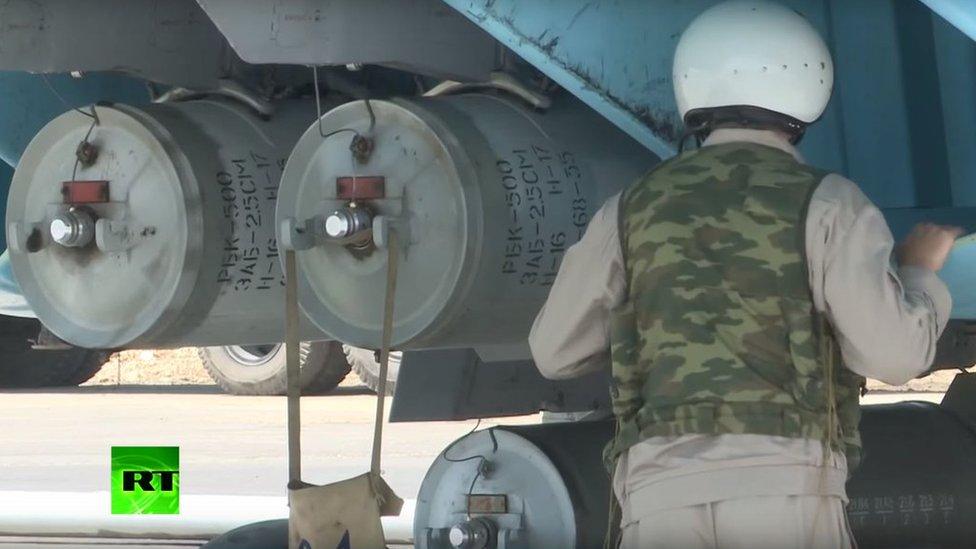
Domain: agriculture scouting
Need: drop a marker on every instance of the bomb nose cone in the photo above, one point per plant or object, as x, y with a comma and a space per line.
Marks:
73, 228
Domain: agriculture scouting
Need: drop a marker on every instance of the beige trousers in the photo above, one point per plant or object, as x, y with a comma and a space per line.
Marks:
771, 522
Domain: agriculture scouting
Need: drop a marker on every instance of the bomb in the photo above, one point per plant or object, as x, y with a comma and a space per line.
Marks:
484, 193
154, 226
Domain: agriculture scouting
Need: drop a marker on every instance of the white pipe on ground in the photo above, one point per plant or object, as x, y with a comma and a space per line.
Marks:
79, 514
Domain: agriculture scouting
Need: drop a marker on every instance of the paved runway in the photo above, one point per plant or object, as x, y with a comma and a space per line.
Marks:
55, 447
81, 543
106, 543
59, 441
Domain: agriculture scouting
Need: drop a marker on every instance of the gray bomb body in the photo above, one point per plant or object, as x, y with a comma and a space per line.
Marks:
184, 251
485, 194
914, 488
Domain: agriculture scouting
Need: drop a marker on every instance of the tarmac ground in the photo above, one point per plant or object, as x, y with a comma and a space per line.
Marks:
55, 449
55, 445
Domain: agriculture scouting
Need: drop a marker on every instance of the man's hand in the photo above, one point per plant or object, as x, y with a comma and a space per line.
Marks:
928, 246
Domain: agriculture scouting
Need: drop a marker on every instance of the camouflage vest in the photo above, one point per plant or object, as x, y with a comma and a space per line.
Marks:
719, 334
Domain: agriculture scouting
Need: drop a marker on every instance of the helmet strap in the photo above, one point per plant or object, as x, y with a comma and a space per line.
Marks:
698, 132
702, 122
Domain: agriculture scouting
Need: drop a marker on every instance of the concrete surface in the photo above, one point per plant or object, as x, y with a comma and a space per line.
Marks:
85, 514
105, 543
58, 441
55, 447
83, 543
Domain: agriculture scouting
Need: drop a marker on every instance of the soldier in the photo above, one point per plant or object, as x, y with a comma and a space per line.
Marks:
743, 296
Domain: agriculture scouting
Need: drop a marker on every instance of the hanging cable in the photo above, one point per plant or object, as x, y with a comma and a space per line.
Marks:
85, 145
361, 145
372, 115
79, 152
64, 102
318, 108
483, 459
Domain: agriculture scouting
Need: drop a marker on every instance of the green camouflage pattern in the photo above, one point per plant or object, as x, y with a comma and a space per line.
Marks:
719, 334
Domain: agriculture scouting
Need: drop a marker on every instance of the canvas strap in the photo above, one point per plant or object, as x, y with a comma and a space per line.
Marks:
293, 369
391, 276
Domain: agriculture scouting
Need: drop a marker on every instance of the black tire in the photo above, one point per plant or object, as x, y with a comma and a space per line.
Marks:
23, 367
261, 369
366, 364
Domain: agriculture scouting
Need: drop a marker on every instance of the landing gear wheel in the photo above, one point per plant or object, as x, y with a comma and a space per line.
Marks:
260, 369
88, 363
21, 366
366, 364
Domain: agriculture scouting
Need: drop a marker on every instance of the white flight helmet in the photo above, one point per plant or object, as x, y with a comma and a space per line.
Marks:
753, 53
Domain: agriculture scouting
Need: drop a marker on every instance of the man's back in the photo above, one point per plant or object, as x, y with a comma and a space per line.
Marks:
719, 308
723, 297
886, 320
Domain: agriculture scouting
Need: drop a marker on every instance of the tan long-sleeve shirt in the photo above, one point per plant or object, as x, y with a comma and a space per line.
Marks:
887, 321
